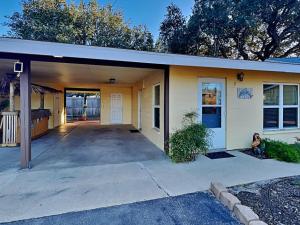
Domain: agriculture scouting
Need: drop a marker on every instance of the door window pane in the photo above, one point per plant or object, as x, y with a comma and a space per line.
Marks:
271, 118
290, 117
211, 94
290, 95
271, 94
211, 117
157, 117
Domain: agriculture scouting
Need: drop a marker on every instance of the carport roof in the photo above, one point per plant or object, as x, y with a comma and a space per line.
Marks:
59, 50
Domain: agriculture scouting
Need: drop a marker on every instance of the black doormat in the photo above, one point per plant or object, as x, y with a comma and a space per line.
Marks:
134, 131
219, 155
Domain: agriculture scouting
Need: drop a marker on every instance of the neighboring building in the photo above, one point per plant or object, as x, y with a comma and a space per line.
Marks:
152, 91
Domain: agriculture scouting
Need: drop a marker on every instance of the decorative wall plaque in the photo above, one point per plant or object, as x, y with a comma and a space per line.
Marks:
244, 93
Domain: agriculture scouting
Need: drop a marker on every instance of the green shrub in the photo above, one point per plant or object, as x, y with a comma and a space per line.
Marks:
282, 151
4, 104
191, 140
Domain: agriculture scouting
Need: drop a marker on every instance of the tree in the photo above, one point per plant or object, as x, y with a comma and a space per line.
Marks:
172, 31
42, 20
246, 29
85, 24
208, 28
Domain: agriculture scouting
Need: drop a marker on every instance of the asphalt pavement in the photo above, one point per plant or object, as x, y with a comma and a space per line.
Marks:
190, 209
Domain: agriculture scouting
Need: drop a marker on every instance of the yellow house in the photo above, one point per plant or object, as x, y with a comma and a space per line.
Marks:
152, 91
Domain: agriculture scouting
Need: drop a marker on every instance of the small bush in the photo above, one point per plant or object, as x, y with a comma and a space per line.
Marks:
191, 140
282, 151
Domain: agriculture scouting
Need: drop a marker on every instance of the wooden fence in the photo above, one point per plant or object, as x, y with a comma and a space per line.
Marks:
76, 108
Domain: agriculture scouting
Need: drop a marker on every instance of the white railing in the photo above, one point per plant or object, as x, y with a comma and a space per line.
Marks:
9, 126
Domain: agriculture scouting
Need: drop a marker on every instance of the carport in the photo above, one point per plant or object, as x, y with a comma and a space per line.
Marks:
64, 66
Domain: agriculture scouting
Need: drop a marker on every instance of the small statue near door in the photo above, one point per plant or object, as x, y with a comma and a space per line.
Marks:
258, 146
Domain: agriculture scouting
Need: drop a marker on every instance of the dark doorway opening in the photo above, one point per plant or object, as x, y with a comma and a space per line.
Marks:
82, 104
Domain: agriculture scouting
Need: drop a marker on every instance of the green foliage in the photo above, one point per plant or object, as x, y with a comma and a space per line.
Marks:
282, 151
87, 23
4, 104
189, 141
172, 31
247, 29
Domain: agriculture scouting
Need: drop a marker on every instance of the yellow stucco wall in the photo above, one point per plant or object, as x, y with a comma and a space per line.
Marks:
105, 92
146, 86
48, 104
243, 116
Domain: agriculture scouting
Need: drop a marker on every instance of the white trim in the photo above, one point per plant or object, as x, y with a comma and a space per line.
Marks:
139, 109
156, 106
18, 46
222, 130
281, 107
56, 111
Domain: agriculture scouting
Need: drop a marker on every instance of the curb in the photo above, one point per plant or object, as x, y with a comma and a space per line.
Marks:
244, 214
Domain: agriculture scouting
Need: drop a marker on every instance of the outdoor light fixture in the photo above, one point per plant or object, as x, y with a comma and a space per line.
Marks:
240, 76
112, 80
18, 68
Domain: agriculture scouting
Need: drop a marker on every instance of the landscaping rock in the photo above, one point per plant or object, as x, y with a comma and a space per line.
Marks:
229, 200
245, 214
275, 201
257, 222
217, 188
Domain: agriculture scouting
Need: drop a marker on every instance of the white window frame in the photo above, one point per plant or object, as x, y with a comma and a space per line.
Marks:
155, 106
281, 106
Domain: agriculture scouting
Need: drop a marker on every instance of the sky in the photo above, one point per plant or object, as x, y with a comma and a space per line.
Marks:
144, 12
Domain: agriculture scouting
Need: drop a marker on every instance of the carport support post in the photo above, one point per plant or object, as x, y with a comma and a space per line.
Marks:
25, 106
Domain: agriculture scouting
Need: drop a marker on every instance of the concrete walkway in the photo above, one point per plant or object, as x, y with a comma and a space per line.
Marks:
43, 192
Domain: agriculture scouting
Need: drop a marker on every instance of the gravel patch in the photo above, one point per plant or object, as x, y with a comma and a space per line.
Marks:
275, 201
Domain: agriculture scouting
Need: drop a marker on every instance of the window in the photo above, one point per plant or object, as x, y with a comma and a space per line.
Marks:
281, 106
212, 105
156, 106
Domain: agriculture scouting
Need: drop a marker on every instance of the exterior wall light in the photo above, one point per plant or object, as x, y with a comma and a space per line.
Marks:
112, 80
240, 76
18, 68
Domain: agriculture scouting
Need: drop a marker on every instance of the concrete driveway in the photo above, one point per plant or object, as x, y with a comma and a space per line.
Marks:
71, 175
44, 192
84, 144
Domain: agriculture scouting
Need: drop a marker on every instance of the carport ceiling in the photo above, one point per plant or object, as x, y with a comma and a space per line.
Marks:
52, 72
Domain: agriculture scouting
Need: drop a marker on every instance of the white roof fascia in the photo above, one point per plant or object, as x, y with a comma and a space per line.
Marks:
18, 46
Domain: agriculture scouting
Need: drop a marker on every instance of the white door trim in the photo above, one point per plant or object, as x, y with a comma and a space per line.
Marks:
218, 142
56, 110
139, 109
120, 120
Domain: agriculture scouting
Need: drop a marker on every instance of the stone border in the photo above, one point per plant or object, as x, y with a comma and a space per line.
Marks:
243, 213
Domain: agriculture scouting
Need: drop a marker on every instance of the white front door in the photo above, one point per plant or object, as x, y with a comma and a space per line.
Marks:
139, 110
212, 109
116, 109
